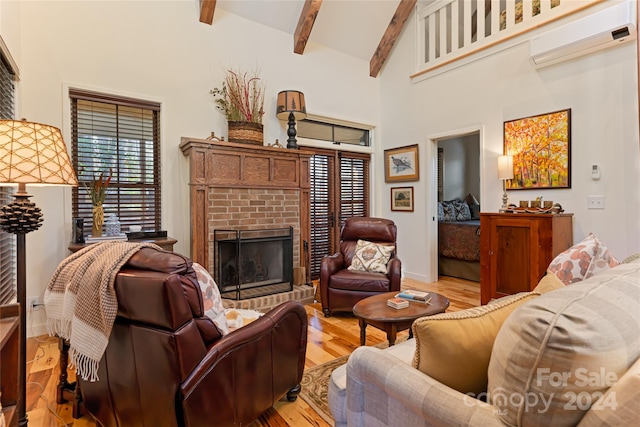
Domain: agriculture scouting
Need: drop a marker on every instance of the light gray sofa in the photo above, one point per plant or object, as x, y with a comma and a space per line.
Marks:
569, 357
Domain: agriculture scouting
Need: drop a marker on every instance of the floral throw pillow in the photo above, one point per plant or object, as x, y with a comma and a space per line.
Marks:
371, 257
582, 261
212, 300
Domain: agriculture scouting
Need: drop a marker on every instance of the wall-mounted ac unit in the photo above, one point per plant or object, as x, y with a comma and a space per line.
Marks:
601, 30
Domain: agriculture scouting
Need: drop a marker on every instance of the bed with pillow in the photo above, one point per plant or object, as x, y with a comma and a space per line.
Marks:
459, 238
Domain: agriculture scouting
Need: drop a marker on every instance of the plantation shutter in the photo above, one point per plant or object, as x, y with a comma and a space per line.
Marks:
322, 216
354, 185
7, 240
337, 193
121, 137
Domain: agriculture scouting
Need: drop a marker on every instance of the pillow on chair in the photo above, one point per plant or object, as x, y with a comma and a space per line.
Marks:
212, 300
371, 257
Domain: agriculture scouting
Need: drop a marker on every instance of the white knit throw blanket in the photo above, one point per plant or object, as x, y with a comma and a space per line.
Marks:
81, 302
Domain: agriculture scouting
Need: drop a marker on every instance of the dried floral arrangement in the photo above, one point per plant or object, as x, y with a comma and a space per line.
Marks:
241, 97
97, 188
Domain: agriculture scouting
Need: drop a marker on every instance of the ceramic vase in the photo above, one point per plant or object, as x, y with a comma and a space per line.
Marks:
98, 220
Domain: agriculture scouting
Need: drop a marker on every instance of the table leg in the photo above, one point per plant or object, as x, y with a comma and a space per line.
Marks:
63, 385
392, 331
363, 332
65, 390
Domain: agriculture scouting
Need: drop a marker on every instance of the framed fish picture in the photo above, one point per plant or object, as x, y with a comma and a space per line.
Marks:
401, 164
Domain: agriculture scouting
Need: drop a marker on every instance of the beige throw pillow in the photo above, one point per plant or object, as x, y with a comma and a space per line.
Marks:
550, 282
371, 257
454, 348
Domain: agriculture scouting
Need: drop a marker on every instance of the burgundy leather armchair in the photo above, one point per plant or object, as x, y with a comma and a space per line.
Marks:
166, 364
340, 288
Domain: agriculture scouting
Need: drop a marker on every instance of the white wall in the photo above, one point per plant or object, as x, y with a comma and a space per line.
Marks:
158, 50
461, 166
600, 89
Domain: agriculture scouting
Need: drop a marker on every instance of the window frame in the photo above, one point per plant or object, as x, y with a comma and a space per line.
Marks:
123, 194
317, 143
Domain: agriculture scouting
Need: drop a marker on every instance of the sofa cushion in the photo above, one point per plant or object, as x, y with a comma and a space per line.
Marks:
371, 257
554, 356
454, 348
365, 281
582, 260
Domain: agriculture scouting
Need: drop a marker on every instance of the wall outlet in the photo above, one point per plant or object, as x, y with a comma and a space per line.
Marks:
34, 304
595, 202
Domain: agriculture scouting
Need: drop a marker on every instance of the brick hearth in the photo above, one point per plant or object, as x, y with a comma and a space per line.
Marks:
303, 293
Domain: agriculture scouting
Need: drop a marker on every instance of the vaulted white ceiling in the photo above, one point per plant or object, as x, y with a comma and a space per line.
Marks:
364, 29
354, 27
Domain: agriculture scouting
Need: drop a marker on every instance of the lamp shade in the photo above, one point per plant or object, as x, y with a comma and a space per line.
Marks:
505, 167
291, 101
33, 153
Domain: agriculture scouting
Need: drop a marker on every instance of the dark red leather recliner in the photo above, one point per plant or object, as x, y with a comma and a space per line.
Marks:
341, 289
166, 364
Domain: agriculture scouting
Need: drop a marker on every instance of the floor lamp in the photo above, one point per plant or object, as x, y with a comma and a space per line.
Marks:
291, 106
30, 153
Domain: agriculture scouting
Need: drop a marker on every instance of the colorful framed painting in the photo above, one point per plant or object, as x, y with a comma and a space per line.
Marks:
401, 164
402, 199
541, 150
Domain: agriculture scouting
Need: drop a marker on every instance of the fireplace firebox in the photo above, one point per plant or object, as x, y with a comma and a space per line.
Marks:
253, 263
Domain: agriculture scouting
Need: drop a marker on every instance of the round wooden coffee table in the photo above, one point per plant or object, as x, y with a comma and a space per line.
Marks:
375, 312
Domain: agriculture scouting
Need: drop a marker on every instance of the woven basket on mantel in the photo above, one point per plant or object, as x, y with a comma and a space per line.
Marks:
246, 133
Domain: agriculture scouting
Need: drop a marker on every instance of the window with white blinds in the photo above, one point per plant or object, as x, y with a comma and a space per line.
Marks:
7, 240
119, 137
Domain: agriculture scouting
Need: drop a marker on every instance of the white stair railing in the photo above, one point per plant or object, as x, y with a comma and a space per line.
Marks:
449, 30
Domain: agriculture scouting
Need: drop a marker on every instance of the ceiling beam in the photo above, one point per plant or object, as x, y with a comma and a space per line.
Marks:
390, 36
207, 7
305, 24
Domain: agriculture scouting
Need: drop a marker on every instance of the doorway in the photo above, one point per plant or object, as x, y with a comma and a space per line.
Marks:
456, 158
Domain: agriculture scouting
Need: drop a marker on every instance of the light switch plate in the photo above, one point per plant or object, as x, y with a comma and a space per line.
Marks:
595, 202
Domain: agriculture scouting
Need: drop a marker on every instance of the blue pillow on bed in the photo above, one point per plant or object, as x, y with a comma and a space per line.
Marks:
462, 211
454, 210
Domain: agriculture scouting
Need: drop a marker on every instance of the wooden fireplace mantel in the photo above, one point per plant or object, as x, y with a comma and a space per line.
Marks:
221, 164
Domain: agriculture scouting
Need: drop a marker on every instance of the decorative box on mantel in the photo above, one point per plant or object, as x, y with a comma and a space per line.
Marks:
246, 187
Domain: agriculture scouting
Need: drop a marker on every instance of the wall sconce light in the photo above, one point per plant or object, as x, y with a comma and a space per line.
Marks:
291, 107
505, 172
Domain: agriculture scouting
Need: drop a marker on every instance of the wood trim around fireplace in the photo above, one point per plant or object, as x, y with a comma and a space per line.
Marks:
219, 166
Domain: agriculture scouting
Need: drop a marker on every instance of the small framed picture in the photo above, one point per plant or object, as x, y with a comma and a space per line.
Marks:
402, 199
401, 164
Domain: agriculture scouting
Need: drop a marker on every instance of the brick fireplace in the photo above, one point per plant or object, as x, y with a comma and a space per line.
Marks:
246, 187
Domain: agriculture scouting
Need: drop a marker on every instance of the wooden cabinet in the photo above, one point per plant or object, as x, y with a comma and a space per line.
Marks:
516, 249
9, 342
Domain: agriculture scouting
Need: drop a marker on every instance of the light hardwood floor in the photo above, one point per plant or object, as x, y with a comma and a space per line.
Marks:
328, 338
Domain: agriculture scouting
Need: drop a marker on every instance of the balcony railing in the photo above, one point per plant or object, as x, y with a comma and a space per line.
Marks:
450, 30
